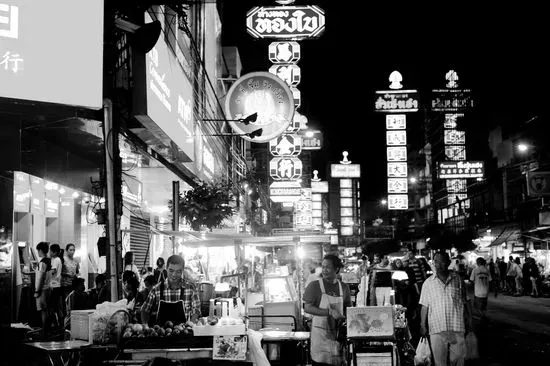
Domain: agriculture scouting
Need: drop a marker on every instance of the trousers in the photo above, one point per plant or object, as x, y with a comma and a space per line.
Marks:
449, 348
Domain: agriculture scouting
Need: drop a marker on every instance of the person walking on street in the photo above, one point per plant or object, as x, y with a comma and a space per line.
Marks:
481, 277
519, 277
533, 274
445, 315
503, 269
494, 272
511, 273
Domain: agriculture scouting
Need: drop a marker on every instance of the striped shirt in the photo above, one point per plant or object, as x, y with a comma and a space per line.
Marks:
191, 302
419, 271
445, 303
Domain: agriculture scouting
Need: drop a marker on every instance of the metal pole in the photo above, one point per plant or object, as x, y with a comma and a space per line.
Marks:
111, 211
175, 211
505, 191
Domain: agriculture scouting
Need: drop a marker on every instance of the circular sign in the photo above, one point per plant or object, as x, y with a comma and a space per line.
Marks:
262, 93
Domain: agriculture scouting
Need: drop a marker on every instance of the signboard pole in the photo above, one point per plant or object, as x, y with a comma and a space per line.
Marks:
175, 211
110, 185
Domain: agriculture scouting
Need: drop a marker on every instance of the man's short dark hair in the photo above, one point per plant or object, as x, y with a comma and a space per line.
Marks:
444, 255
43, 246
175, 259
149, 280
126, 275
55, 248
336, 262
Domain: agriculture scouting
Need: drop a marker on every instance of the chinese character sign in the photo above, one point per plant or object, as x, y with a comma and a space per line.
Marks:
50, 53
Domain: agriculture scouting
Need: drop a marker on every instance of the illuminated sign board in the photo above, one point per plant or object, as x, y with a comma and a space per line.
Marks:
319, 187
346, 211
396, 121
312, 140
456, 185
285, 168
285, 22
455, 152
21, 192
262, 93
346, 192
460, 169
164, 97
297, 96
345, 170
290, 74
345, 183
284, 52
286, 145
451, 120
462, 197
299, 122
396, 101
346, 202
289, 191
396, 138
454, 137
397, 185
398, 202
346, 221
397, 170
52, 51
396, 153
451, 100
346, 230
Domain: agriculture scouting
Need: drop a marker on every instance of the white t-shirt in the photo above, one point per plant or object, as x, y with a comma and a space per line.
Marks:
57, 266
481, 278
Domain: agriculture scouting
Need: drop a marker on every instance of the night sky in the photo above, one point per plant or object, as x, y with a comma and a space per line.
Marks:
499, 53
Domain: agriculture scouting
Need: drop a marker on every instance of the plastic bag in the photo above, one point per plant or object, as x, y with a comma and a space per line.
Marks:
100, 327
472, 350
423, 355
255, 349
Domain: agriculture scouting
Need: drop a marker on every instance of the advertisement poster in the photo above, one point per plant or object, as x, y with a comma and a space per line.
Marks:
230, 347
370, 321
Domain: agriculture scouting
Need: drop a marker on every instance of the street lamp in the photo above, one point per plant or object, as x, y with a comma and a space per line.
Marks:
253, 134
383, 202
522, 147
413, 180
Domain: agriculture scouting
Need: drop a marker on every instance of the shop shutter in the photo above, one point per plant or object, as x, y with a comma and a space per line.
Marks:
139, 240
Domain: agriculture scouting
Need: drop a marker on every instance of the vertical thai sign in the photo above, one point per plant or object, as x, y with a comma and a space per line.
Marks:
452, 102
349, 175
285, 24
395, 103
318, 188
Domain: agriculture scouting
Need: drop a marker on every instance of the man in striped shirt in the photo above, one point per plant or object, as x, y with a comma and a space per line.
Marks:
174, 288
445, 314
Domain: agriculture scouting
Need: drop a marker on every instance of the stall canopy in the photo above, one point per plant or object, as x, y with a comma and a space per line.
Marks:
509, 233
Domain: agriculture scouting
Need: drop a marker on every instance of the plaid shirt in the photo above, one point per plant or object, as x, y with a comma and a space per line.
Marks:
445, 303
191, 302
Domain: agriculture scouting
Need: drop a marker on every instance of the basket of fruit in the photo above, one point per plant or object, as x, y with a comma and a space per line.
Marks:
163, 336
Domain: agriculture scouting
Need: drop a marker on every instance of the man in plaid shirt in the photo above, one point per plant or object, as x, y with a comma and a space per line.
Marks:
174, 288
445, 313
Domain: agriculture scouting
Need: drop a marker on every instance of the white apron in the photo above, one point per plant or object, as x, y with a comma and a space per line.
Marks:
324, 346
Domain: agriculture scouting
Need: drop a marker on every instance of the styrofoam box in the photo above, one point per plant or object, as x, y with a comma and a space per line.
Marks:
213, 330
80, 324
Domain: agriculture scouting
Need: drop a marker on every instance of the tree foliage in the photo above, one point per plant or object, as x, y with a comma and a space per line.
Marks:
207, 204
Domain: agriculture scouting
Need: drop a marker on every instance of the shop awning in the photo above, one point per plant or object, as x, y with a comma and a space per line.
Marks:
510, 233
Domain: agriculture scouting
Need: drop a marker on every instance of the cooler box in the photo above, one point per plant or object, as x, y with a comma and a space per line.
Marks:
80, 324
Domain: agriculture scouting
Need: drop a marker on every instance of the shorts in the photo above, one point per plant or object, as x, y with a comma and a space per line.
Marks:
480, 303
43, 300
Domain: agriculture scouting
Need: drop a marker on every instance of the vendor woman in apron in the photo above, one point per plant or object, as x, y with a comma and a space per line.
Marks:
173, 299
326, 299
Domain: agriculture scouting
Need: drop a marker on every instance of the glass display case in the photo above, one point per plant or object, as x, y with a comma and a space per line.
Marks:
279, 289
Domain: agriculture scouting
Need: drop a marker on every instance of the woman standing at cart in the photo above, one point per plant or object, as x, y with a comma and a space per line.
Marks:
326, 299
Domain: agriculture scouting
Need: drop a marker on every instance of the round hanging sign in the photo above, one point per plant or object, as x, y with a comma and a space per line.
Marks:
265, 95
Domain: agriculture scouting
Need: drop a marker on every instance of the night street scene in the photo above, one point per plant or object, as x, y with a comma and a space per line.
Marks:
274, 182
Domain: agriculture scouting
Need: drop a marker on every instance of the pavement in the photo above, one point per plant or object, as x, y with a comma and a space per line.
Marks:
516, 331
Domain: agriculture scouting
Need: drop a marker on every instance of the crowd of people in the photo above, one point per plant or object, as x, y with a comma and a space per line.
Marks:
59, 288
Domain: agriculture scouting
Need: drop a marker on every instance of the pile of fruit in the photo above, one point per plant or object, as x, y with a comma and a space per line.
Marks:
168, 330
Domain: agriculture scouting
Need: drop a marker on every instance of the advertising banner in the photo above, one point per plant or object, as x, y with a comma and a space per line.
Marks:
52, 51
285, 22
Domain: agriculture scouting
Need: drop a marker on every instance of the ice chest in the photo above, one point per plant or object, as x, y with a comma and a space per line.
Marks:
80, 324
